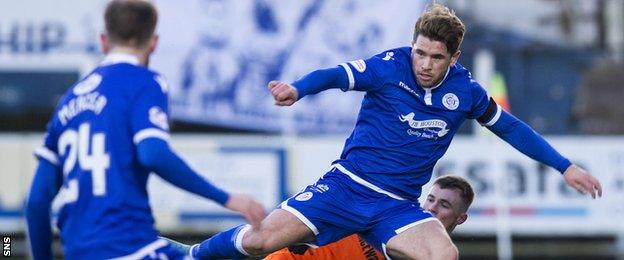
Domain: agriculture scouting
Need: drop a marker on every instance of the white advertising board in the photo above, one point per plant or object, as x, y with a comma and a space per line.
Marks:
270, 169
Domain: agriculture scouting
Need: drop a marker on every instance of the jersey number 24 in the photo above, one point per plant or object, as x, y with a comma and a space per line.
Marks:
88, 150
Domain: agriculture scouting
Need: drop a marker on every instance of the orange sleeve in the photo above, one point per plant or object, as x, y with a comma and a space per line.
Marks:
351, 247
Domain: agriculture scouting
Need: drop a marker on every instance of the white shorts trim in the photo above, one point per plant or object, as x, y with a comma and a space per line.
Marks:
144, 251
300, 216
406, 227
365, 183
349, 75
47, 154
385, 251
150, 133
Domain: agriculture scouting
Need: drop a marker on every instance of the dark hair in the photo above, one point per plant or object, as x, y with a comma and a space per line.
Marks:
439, 23
460, 184
130, 22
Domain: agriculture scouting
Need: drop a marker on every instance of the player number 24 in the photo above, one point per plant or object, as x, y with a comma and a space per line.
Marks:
88, 150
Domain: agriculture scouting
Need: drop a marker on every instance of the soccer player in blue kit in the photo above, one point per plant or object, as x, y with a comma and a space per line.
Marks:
416, 99
108, 132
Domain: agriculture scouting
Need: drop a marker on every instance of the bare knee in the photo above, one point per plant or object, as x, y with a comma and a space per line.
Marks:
258, 243
278, 230
441, 252
450, 251
428, 240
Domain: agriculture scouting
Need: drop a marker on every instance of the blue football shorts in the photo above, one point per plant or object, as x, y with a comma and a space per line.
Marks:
158, 250
340, 204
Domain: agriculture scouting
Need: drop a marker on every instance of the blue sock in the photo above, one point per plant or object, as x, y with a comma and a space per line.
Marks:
222, 245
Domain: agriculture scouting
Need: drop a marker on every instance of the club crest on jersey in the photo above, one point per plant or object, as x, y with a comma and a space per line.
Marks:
304, 196
450, 101
359, 65
425, 125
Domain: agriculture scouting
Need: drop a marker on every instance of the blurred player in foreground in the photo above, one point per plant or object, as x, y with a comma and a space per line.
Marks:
109, 131
448, 200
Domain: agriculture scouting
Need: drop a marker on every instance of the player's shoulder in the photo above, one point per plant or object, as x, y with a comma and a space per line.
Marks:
157, 80
401, 55
461, 79
461, 88
138, 77
387, 64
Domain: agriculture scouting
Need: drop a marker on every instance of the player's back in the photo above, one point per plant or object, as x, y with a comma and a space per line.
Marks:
104, 203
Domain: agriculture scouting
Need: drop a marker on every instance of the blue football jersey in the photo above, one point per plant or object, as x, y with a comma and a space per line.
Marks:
92, 137
403, 129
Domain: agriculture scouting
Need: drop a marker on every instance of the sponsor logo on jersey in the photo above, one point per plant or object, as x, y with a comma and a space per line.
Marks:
320, 188
164, 86
389, 56
406, 87
88, 84
359, 65
304, 196
450, 101
158, 118
433, 128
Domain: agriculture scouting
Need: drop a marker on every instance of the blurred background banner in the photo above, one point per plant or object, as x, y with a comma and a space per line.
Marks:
220, 55
273, 168
555, 64
35, 30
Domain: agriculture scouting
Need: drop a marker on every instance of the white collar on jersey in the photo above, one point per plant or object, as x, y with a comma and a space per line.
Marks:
441, 81
118, 57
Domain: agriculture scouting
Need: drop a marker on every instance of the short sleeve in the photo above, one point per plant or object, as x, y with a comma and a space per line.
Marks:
368, 75
150, 111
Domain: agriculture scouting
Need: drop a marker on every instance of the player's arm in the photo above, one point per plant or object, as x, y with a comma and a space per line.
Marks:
155, 154
526, 140
319, 80
45, 186
360, 75
151, 133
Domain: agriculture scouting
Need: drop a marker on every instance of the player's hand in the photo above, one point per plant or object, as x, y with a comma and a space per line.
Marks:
283, 93
582, 181
250, 208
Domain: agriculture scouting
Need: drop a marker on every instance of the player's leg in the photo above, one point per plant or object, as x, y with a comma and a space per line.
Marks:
278, 230
322, 213
427, 240
404, 230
